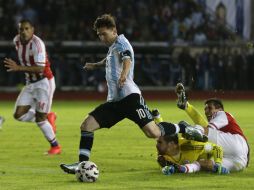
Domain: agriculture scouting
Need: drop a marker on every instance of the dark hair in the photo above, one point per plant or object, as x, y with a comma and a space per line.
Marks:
171, 138
105, 20
24, 20
216, 102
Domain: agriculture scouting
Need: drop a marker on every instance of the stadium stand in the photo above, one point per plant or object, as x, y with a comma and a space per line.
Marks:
173, 41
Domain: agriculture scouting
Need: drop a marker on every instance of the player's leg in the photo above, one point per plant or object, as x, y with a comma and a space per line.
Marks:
51, 116
42, 108
47, 130
104, 116
183, 103
195, 115
88, 127
235, 149
136, 110
24, 103
153, 130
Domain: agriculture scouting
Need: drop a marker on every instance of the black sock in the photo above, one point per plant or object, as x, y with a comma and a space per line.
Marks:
182, 125
85, 146
167, 128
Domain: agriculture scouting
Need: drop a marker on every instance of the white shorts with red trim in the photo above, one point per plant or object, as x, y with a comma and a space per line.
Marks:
38, 95
235, 149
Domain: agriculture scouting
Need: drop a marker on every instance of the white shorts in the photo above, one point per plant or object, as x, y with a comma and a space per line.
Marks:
38, 95
235, 149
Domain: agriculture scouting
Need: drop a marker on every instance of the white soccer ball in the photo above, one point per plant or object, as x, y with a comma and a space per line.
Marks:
87, 171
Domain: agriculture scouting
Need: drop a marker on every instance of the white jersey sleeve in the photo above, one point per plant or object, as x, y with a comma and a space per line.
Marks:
39, 51
219, 120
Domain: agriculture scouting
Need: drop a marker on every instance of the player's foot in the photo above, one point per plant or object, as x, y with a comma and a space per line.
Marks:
192, 133
156, 116
182, 99
54, 150
52, 119
69, 168
1, 121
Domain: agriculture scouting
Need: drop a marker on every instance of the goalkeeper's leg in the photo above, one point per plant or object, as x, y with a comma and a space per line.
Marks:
183, 103
194, 114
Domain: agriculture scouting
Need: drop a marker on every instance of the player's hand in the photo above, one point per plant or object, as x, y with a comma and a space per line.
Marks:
11, 65
89, 66
168, 170
219, 169
161, 161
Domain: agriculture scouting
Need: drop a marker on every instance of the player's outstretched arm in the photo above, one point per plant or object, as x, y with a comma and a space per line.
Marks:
92, 66
12, 66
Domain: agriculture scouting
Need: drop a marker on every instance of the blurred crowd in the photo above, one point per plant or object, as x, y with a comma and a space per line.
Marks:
204, 69
139, 20
208, 69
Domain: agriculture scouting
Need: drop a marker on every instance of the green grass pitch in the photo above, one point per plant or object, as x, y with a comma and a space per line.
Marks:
125, 157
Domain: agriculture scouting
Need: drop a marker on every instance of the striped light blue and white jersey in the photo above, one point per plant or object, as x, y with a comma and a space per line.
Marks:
121, 49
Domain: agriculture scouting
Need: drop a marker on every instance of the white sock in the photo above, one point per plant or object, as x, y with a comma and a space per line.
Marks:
47, 131
177, 128
199, 127
28, 117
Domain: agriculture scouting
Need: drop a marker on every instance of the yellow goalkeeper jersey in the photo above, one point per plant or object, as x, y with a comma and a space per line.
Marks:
191, 151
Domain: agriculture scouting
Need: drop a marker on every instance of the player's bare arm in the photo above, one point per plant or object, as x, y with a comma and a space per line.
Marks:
12, 66
91, 66
124, 73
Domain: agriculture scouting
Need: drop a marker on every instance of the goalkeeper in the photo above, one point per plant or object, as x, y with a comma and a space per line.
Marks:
178, 155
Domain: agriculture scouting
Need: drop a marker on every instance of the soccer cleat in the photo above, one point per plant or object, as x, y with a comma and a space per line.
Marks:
192, 133
69, 168
52, 119
182, 99
156, 116
1, 121
54, 150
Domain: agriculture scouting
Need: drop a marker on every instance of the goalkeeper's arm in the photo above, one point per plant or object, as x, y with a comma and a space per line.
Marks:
186, 168
163, 162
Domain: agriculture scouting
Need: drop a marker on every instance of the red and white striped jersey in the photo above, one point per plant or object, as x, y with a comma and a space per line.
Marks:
225, 122
33, 54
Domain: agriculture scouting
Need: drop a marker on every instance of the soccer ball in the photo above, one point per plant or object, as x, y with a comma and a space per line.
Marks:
87, 171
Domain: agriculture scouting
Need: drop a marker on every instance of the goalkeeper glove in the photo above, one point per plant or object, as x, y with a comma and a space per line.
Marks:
219, 169
168, 170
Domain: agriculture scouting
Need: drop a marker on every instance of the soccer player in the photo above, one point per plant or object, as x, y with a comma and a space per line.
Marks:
124, 98
178, 155
34, 101
221, 129
1, 121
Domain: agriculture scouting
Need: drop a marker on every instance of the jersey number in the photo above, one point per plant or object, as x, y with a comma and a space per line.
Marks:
141, 113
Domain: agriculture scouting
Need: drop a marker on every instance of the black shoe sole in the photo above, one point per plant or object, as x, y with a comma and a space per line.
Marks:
66, 170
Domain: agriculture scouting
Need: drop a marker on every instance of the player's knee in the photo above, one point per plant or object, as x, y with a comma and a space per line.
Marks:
152, 135
83, 126
89, 124
17, 116
152, 131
